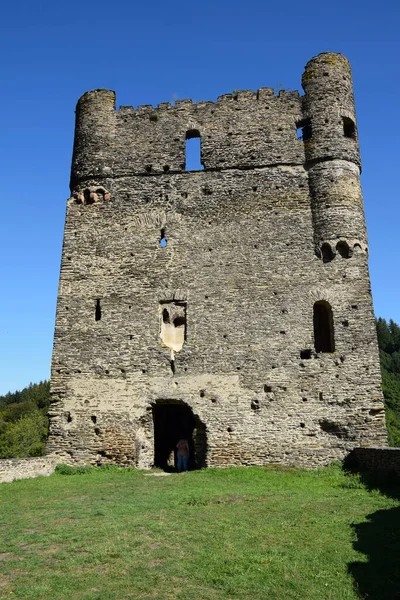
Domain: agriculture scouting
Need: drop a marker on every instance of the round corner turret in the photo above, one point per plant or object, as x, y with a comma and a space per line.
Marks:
328, 108
332, 156
94, 128
99, 99
337, 209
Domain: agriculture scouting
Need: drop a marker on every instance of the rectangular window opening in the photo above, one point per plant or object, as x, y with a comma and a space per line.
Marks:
97, 314
349, 128
193, 152
304, 131
323, 327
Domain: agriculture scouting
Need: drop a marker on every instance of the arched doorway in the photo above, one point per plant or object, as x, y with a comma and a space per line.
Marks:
173, 420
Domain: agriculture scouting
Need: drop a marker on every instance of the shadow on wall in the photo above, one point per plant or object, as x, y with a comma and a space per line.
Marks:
379, 539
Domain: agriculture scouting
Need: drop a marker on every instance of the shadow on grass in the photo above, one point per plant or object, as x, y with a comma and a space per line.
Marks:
379, 540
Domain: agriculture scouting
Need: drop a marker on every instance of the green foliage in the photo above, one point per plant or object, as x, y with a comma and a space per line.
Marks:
68, 470
25, 437
388, 336
35, 393
389, 351
62, 469
24, 421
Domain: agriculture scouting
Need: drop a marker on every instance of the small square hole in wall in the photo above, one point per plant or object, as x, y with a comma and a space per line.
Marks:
163, 240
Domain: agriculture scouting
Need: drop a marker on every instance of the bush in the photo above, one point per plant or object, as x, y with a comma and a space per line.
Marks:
26, 437
389, 347
24, 421
68, 470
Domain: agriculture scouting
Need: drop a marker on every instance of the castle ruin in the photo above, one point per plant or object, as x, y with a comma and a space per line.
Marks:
230, 305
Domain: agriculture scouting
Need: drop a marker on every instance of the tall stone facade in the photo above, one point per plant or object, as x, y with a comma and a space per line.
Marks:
229, 305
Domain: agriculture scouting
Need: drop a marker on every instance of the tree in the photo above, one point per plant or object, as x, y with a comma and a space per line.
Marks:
389, 352
24, 421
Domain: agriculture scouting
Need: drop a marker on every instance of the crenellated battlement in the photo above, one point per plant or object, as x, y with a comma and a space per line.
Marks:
261, 95
235, 96
240, 130
244, 130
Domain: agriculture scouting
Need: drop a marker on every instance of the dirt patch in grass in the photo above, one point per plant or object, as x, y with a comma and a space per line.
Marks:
4, 582
281, 468
8, 556
28, 547
33, 532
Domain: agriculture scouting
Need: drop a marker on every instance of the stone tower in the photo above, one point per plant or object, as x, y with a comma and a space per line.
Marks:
229, 305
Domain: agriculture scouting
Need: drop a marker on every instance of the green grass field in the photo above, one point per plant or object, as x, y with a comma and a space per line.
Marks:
245, 533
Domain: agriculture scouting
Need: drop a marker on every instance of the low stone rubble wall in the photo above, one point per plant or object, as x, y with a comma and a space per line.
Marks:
24, 468
379, 461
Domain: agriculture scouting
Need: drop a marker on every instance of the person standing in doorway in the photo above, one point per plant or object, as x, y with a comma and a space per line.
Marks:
183, 455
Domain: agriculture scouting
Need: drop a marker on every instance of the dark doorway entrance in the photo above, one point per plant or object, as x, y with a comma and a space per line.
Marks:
174, 420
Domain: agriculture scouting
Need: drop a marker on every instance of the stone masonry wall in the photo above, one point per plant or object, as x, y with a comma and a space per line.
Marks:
25, 468
269, 227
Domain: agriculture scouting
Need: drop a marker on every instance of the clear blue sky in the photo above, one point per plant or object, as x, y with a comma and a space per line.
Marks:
150, 52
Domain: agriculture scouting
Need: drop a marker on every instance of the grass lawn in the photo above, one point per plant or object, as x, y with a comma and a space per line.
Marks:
244, 533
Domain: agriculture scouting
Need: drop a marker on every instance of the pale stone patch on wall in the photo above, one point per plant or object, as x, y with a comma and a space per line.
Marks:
173, 326
286, 420
151, 219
